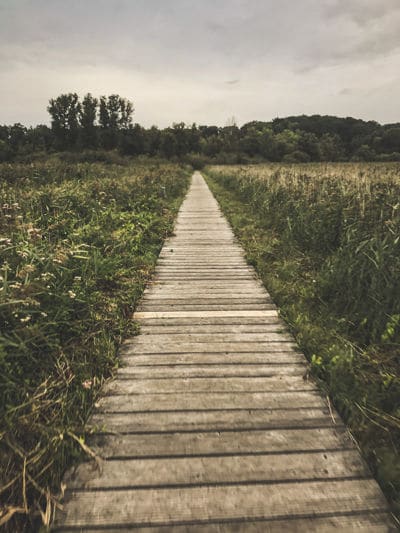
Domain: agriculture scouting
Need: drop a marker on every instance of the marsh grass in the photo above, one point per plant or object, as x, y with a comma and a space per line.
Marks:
326, 241
78, 242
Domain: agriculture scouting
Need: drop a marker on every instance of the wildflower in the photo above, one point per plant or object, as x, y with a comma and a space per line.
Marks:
15, 285
43, 314
5, 242
87, 384
46, 276
71, 294
77, 278
27, 269
25, 319
34, 233
22, 254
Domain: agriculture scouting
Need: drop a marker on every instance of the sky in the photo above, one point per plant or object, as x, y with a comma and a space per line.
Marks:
203, 61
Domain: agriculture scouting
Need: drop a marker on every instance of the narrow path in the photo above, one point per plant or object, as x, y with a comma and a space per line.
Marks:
211, 424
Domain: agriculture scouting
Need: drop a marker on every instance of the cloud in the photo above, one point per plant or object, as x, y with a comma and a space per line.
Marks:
200, 61
362, 12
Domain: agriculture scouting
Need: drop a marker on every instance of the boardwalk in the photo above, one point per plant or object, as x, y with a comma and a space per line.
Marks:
211, 424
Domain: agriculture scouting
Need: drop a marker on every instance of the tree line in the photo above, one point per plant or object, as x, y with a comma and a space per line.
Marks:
105, 123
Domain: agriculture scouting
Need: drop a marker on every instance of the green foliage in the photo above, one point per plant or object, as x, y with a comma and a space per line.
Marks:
290, 140
325, 240
64, 111
78, 242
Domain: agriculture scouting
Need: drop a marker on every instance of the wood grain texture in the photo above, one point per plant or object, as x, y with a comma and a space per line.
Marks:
212, 423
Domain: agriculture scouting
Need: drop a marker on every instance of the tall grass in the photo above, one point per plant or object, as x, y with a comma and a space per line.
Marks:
326, 240
77, 245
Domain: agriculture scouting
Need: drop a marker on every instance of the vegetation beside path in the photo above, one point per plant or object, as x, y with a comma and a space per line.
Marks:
77, 244
325, 240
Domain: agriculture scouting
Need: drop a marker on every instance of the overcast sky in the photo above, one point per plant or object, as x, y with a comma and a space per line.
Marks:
203, 61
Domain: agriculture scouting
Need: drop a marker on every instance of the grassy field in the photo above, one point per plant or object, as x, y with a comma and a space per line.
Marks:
78, 242
325, 238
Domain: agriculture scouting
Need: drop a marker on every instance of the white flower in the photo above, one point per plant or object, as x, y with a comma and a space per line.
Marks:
25, 319
71, 294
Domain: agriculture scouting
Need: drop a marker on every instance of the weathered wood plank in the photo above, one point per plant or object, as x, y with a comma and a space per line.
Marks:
276, 501
277, 358
204, 314
367, 522
212, 338
212, 347
166, 328
172, 402
220, 420
218, 470
206, 307
213, 321
224, 443
216, 384
210, 371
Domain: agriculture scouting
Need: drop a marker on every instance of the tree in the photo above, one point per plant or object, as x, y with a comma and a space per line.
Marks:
132, 140
391, 140
331, 147
87, 119
64, 111
115, 113
168, 144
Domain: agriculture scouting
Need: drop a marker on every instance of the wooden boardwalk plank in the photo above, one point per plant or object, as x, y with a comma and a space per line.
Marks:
204, 401
211, 423
187, 471
201, 504
272, 441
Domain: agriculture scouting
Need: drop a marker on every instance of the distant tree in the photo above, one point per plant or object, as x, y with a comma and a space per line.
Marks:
64, 111
126, 112
39, 138
331, 147
297, 156
87, 120
211, 146
391, 140
115, 113
17, 136
286, 142
364, 153
251, 142
153, 140
230, 136
168, 143
6, 154
132, 140
208, 131
308, 143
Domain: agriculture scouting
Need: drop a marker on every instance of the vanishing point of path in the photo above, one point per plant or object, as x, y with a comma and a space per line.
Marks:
211, 423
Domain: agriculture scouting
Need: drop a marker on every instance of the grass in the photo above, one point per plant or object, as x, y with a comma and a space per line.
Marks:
78, 242
325, 239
